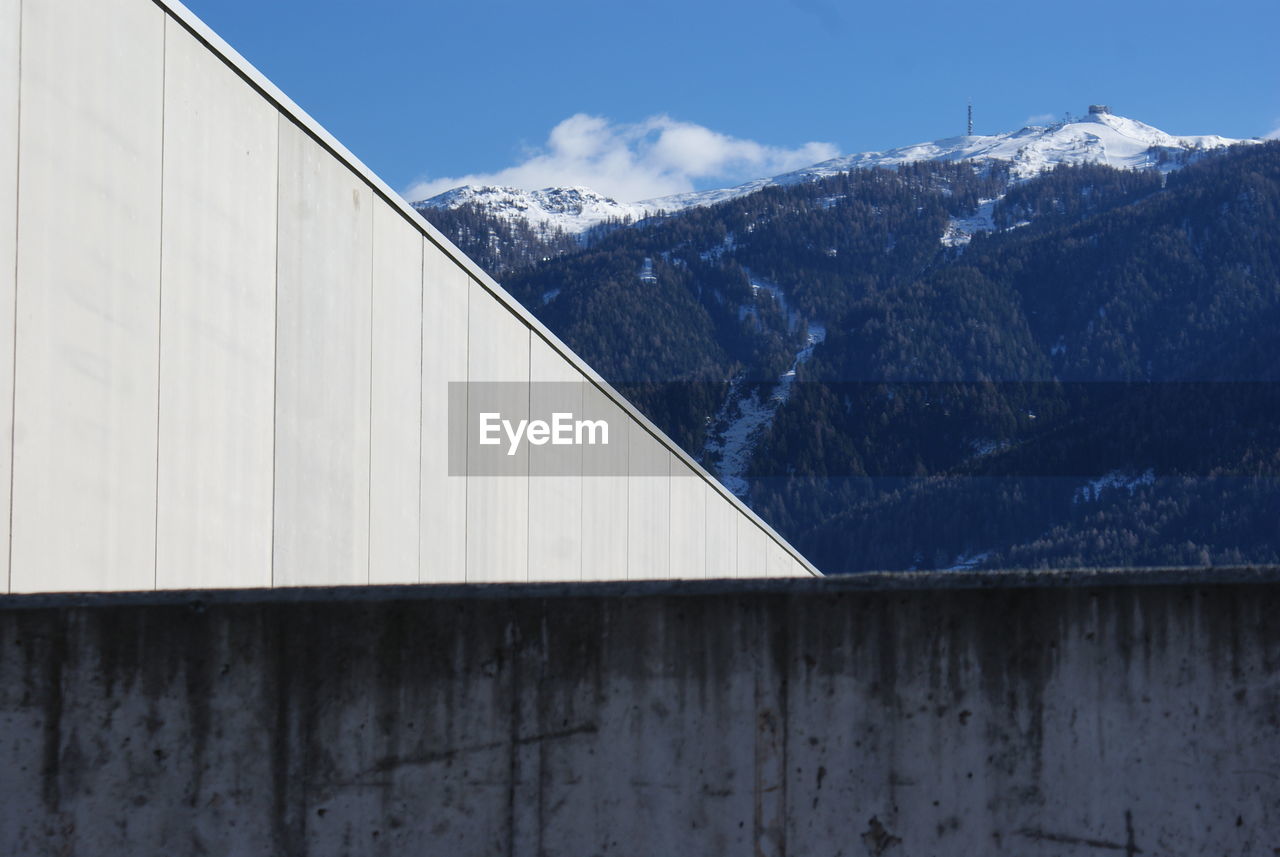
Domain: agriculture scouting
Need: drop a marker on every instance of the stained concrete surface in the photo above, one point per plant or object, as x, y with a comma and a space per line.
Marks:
885, 715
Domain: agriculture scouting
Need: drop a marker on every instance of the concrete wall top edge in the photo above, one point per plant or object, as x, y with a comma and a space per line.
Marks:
296, 114
825, 586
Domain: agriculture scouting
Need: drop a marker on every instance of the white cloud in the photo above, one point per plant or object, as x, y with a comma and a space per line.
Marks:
1041, 119
635, 161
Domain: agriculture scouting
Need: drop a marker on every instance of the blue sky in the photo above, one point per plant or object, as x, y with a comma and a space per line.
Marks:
641, 99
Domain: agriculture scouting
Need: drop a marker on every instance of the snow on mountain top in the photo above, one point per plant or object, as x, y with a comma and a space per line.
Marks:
1101, 137
572, 209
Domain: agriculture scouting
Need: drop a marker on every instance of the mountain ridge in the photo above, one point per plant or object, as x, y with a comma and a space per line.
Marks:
1099, 137
1089, 381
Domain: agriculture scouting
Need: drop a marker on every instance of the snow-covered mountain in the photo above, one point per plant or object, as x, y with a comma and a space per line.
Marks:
1099, 137
573, 209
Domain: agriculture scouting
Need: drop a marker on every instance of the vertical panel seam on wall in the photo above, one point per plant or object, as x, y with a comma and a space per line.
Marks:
466, 439
422, 379
275, 333
368, 436
706, 536
706, 540
275, 350
671, 516
368, 488
764, 552
626, 494
13, 388
582, 488
737, 546
528, 457
164, 97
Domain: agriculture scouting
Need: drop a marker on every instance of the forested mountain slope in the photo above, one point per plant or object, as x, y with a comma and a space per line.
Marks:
1053, 392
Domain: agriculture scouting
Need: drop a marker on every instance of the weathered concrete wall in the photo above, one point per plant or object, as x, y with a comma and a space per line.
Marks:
898, 716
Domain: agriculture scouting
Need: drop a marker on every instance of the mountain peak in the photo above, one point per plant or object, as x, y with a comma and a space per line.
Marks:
1098, 137
573, 209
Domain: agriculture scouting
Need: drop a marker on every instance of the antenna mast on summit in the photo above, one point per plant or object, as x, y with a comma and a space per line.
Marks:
970, 117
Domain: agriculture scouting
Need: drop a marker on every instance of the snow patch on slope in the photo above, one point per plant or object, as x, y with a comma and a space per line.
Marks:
572, 209
1092, 490
960, 230
967, 561
747, 413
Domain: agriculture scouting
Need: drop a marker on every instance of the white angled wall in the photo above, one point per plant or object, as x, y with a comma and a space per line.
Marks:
605, 544
324, 298
10, 14
88, 295
232, 348
648, 505
555, 484
395, 449
217, 324
722, 536
442, 538
498, 504
688, 521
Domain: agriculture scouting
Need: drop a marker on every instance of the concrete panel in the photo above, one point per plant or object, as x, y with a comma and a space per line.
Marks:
722, 536
688, 521
497, 505
217, 324
443, 540
604, 492
1002, 715
777, 562
751, 548
322, 367
394, 467
555, 482
84, 458
10, 17
648, 506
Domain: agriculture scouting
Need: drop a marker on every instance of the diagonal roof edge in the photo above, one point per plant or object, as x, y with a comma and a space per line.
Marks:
286, 105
